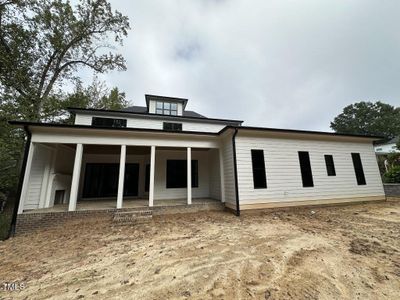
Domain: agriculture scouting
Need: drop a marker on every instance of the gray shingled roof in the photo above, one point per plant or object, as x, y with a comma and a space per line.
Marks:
143, 109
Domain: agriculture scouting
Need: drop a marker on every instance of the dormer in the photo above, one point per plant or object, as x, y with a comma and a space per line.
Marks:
169, 106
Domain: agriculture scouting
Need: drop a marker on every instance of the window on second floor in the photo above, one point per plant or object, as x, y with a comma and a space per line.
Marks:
172, 126
108, 122
166, 108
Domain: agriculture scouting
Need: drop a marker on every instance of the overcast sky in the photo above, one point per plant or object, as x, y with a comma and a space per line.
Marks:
273, 63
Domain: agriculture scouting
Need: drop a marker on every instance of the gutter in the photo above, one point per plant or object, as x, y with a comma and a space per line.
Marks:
235, 172
20, 182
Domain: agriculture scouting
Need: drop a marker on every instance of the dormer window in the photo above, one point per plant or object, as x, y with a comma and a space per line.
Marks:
166, 108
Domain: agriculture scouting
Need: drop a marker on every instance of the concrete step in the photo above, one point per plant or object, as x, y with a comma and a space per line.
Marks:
137, 216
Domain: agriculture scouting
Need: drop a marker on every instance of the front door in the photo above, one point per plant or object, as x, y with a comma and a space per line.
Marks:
101, 180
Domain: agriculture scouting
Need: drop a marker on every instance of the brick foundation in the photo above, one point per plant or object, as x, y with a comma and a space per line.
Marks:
392, 189
30, 221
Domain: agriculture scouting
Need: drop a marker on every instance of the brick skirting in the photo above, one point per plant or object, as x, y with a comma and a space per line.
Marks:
30, 221
392, 189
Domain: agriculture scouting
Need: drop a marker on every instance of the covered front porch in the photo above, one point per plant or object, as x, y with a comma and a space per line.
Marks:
90, 176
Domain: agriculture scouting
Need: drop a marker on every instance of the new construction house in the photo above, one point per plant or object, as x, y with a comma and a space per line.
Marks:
162, 154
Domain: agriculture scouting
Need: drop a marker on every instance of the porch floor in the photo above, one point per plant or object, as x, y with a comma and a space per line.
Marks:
85, 205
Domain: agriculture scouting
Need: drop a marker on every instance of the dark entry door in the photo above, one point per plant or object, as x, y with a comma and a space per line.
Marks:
101, 180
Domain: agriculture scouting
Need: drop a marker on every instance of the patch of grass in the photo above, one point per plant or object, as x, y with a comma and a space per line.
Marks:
5, 220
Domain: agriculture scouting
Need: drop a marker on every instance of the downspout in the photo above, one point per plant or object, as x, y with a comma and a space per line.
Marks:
235, 172
20, 182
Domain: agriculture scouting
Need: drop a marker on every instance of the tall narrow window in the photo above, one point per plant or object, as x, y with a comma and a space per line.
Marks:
259, 177
330, 165
358, 168
305, 166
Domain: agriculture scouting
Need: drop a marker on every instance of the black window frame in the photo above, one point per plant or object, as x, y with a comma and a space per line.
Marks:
358, 168
258, 168
167, 108
170, 126
330, 165
306, 169
176, 173
108, 122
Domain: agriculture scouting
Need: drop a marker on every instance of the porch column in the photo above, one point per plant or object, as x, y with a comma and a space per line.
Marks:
25, 183
121, 178
152, 173
76, 173
222, 174
189, 175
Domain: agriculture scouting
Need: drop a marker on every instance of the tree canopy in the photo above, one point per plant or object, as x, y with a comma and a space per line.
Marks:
44, 42
43, 46
369, 118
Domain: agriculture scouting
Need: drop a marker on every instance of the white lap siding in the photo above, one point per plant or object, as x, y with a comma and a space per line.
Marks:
138, 122
229, 175
284, 183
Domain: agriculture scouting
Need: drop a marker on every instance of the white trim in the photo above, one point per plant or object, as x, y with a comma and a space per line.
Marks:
51, 177
152, 174
189, 175
25, 184
75, 177
221, 173
121, 177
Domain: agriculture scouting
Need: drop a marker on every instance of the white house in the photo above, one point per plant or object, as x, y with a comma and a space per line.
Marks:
163, 153
388, 147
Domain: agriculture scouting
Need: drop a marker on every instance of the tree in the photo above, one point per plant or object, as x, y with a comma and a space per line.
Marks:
44, 42
369, 118
96, 95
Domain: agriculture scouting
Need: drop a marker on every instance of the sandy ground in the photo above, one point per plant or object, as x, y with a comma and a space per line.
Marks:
348, 252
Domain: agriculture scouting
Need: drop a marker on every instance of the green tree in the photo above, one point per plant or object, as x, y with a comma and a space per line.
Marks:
44, 42
370, 119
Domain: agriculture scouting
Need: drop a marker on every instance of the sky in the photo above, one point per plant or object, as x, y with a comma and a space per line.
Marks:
272, 63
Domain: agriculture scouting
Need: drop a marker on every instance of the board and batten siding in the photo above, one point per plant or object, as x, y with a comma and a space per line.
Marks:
161, 192
214, 174
284, 183
229, 173
37, 185
138, 122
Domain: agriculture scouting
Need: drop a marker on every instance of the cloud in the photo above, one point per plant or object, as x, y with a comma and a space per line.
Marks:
287, 64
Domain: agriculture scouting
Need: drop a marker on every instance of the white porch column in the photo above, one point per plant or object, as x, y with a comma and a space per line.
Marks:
189, 175
121, 177
75, 177
25, 183
222, 174
152, 173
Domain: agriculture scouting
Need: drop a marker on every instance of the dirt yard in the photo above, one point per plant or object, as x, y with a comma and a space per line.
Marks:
347, 252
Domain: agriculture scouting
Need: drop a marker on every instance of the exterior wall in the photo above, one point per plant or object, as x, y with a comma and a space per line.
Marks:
229, 173
160, 189
214, 174
392, 189
140, 122
284, 183
50, 167
37, 179
114, 158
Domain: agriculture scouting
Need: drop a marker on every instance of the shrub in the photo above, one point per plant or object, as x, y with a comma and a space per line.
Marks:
393, 175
